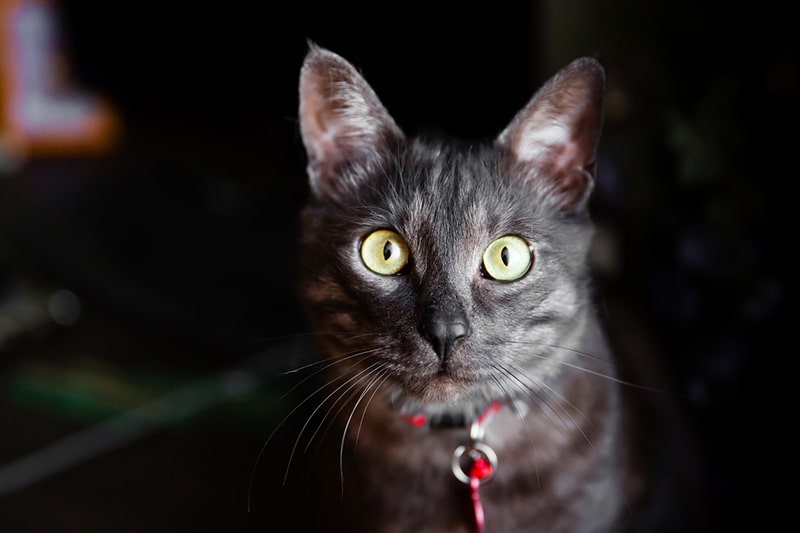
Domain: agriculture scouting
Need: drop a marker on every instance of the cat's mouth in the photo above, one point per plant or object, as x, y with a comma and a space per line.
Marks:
445, 385
439, 387
440, 396
435, 384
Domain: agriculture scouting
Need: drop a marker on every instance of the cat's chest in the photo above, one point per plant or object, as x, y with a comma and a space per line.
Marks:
402, 474
405, 474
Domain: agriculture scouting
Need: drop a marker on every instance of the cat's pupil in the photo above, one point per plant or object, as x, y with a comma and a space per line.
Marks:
387, 250
504, 255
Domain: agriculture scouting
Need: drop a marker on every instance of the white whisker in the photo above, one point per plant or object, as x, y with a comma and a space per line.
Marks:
555, 395
353, 387
311, 416
558, 397
387, 375
521, 420
587, 370
275, 430
532, 392
375, 379
326, 366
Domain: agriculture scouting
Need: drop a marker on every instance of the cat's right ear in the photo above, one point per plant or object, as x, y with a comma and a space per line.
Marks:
341, 119
555, 137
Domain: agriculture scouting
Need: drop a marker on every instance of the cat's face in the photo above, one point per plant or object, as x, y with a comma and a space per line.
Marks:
446, 275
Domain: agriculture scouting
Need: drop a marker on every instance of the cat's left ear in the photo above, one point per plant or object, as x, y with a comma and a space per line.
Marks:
341, 120
555, 136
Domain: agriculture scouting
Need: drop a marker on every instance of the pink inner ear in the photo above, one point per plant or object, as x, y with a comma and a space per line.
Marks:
549, 141
567, 156
559, 154
321, 134
316, 118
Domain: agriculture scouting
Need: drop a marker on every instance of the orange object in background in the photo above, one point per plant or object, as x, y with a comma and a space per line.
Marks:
41, 114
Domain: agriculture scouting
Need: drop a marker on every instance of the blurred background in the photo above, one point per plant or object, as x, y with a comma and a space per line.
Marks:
151, 175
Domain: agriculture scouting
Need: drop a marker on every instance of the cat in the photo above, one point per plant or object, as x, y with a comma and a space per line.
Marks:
449, 288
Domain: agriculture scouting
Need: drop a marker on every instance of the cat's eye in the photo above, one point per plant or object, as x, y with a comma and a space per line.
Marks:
384, 252
508, 258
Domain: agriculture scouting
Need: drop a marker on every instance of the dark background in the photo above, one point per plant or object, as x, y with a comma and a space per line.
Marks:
181, 243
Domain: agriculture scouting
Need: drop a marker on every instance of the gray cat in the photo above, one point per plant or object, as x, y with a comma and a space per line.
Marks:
468, 383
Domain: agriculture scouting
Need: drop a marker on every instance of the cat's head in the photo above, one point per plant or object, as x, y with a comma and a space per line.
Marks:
448, 274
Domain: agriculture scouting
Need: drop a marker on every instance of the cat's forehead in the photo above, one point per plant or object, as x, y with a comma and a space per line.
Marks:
454, 192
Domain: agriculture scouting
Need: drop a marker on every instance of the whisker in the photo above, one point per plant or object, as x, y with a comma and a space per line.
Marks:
506, 395
361, 335
275, 430
311, 416
380, 373
558, 397
352, 386
387, 375
609, 377
521, 420
560, 347
323, 362
292, 336
533, 392
327, 366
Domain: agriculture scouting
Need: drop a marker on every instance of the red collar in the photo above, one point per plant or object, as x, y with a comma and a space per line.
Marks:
473, 463
448, 421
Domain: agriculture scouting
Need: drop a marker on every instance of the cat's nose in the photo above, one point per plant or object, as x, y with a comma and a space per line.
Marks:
445, 331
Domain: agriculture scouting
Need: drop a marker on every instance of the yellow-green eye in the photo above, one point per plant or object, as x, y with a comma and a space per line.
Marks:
508, 258
384, 252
